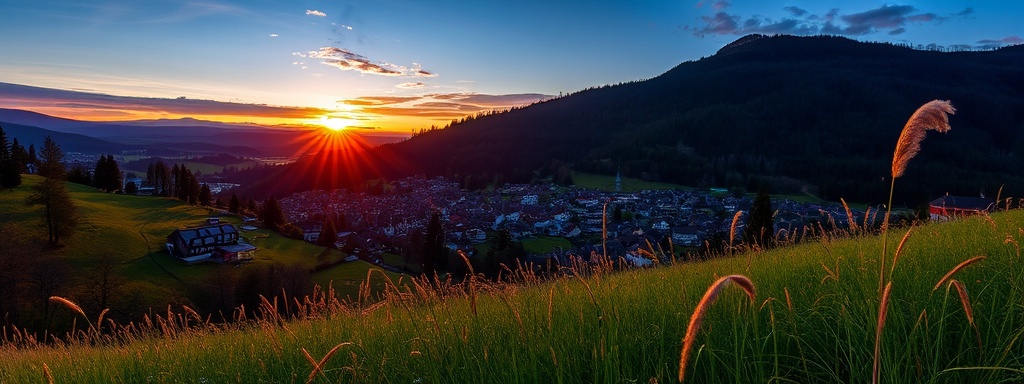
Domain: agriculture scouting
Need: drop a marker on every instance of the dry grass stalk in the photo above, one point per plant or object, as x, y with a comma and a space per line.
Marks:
849, 216
70, 304
318, 366
789, 302
899, 249
956, 269
472, 281
551, 301
732, 227
930, 116
965, 301
47, 374
701, 310
883, 310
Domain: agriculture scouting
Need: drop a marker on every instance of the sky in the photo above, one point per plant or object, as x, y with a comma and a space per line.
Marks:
396, 66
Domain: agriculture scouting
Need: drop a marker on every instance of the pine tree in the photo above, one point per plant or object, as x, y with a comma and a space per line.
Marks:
19, 155
434, 247
204, 195
10, 176
234, 205
760, 228
59, 211
328, 234
32, 159
273, 217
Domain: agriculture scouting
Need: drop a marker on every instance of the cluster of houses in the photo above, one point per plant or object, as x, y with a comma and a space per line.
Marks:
632, 221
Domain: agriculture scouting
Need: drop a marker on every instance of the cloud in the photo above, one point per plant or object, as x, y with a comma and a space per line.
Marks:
411, 85
964, 13
347, 60
274, 35
891, 19
796, 12
36, 98
997, 43
313, 12
440, 106
380, 100
720, 5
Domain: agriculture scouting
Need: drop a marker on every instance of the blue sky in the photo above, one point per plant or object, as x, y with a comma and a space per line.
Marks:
404, 64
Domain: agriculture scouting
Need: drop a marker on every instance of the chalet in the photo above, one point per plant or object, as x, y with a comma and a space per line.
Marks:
310, 230
218, 242
947, 206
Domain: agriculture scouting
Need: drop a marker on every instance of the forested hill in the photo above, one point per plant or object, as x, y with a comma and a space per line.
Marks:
818, 114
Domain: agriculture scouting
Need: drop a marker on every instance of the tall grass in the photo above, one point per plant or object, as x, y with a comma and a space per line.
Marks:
609, 327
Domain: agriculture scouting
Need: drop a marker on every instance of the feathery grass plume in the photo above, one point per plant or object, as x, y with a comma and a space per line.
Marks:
883, 310
70, 304
849, 216
931, 116
318, 366
701, 310
956, 269
732, 227
899, 249
965, 301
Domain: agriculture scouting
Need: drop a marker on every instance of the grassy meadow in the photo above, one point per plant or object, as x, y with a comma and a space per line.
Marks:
814, 319
130, 231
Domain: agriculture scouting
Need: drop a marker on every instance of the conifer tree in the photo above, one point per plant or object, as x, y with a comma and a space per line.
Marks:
434, 248
234, 205
59, 211
204, 195
328, 234
760, 228
10, 176
273, 217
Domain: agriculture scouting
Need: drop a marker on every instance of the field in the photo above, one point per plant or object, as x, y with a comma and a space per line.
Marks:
814, 318
130, 231
607, 183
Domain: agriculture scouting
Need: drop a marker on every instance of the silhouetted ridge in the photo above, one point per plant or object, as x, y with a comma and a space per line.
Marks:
797, 114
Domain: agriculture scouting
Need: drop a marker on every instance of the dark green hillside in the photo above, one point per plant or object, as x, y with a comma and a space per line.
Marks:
797, 113
126, 235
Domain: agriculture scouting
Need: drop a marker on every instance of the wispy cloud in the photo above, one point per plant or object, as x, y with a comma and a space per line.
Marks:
996, 43
313, 12
890, 19
274, 35
36, 98
411, 85
440, 106
347, 60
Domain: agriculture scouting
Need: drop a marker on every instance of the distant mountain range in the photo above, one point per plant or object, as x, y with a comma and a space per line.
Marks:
163, 137
791, 114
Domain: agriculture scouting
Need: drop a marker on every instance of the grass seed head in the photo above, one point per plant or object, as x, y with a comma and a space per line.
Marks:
932, 115
701, 310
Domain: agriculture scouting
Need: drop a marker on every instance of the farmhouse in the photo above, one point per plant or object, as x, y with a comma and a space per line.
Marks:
217, 242
947, 206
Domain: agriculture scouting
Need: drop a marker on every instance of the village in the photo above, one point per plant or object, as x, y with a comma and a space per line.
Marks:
377, 223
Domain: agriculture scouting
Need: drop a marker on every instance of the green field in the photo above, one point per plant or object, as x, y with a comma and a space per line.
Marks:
607, 183
206, 169
132, 230
814, 319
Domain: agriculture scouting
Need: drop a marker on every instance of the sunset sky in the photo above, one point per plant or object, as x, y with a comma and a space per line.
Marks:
395, 66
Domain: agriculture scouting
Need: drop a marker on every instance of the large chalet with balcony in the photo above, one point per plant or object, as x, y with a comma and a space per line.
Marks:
216, 242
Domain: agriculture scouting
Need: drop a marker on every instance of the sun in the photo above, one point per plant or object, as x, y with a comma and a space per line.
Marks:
334, 123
